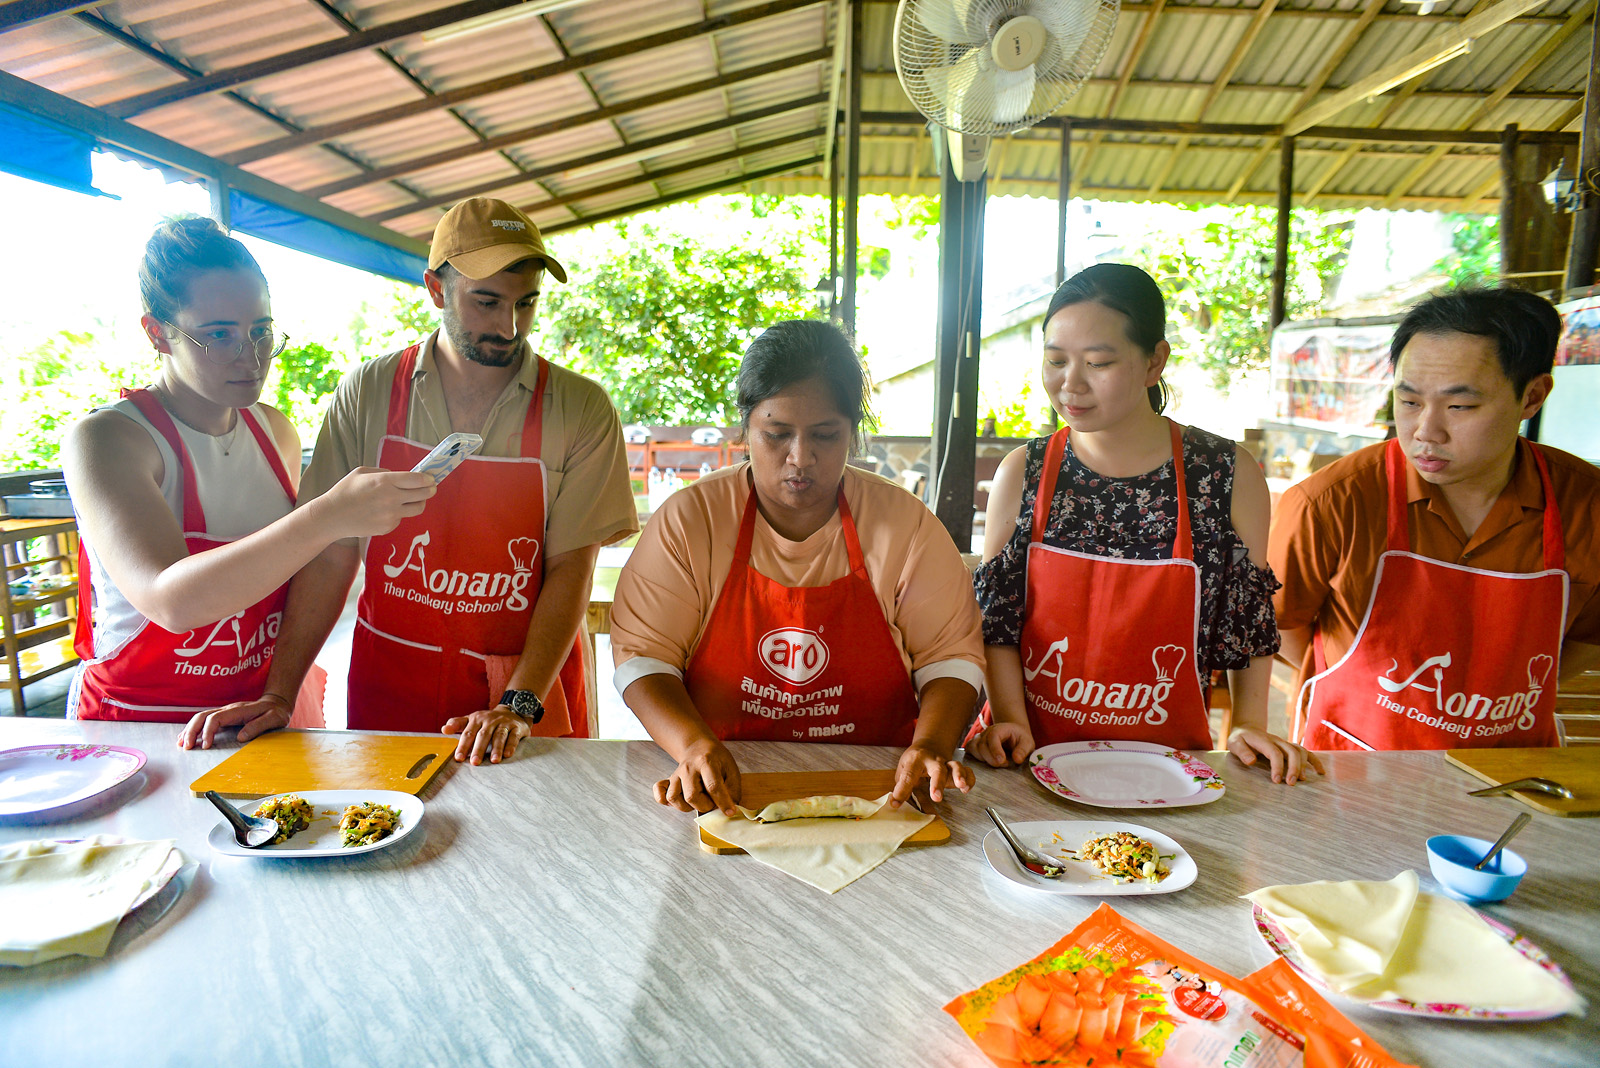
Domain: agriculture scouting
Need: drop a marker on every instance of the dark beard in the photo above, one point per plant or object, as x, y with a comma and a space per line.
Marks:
468, 348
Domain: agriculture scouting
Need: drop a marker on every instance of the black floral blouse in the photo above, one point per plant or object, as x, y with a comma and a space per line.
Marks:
1137, 518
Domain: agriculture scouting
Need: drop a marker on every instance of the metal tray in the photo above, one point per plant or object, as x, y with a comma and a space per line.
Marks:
38, 506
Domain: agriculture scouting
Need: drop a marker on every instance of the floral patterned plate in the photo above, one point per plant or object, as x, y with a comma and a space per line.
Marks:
1278, 941
38, 778
1125, 775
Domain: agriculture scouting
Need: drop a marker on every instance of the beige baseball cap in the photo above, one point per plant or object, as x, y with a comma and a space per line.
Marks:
482, 236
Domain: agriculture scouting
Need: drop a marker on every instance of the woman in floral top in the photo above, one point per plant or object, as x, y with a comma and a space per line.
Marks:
1107, 606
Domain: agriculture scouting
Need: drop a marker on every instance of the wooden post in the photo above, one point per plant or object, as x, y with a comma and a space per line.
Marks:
1063, 198
833, 232
955, 428
221, 209
1280, 246
1586, 225
852, 177
1508, 199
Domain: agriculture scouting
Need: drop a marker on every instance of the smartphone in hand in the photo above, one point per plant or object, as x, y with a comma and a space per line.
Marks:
446, 456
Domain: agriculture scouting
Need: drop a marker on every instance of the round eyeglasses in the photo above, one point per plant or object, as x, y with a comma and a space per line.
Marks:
224, 350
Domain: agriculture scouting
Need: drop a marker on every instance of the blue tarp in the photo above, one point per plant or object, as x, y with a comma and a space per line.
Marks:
284, 227
35, 148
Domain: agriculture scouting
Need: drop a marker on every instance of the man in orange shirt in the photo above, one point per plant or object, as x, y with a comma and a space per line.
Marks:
1431, 584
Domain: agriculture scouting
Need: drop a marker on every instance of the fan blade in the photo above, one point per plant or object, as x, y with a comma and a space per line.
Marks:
1013, 94
947, 20
953, 84
1068, 23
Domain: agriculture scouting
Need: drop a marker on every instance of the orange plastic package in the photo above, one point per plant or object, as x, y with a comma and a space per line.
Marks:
1113, 993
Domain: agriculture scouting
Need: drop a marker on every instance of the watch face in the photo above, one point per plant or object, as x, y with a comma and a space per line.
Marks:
527, 703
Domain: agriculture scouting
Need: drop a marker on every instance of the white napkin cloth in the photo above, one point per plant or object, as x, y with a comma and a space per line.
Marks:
59, 899
827, 853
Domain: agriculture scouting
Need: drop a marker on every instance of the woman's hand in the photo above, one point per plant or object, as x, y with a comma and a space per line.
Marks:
1287, 760
1003, 744
253, 718
371, 501
919, 762
494, 733
706, 778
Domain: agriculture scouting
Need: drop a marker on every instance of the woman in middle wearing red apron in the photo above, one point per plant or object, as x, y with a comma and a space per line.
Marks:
795, 598
1123, 555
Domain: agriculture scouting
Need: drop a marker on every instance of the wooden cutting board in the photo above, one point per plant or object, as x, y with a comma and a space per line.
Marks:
286, 761
1576, 767
761, 789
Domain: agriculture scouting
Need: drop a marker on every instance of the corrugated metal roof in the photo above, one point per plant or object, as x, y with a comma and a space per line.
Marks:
394, 132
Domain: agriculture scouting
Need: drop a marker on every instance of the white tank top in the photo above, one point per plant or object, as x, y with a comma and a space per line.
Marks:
238, 491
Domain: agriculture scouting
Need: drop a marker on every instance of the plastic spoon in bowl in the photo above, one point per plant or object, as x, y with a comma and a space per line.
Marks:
1511, 832
1037, 863
252, 832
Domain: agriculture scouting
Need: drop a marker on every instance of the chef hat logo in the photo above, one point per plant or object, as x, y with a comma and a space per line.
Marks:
522, 551
1539, 670
1167, 660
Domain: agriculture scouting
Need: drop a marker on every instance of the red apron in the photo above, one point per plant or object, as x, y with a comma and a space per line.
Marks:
804, 663
162, 677
449, 594
1447, 657
1108, 645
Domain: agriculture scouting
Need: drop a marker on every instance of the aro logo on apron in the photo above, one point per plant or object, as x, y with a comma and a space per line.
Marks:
1108, 643
1447, 657
793, 654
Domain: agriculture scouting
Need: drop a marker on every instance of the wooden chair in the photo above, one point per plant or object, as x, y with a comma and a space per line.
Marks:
1578, 709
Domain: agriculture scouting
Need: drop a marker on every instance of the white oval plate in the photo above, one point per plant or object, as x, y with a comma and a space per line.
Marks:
1278, 941
1125, 775
1082, 877
321, 839
38, 778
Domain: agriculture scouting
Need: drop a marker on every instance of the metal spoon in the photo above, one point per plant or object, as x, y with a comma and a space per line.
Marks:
1512, 831
252, 832
1537, 785
1037, 863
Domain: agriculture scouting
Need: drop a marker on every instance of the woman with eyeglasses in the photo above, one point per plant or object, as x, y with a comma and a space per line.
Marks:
185, 493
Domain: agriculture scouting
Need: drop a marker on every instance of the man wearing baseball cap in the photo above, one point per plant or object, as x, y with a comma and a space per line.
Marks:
470, 614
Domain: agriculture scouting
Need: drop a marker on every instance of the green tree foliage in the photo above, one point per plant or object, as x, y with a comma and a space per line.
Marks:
661, 318
307, 375
1476, 241
1217, 279
52, 385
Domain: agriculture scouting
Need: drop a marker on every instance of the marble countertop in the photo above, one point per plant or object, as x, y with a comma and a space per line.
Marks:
547, 912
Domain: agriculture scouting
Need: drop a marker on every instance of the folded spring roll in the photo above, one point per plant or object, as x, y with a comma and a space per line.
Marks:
822, 806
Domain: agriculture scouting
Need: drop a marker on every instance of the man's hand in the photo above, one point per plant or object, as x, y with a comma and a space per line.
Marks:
1286, 760
706, 778
253, 718
919, 762
1003, 744
495, 732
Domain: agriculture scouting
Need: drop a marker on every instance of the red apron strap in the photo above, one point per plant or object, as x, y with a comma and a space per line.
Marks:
747, 533
270, 449
852, 541
194, 517
1183, 544
1394, 460
83, 628
533, 423
1555, 546
1053, 454
400, 393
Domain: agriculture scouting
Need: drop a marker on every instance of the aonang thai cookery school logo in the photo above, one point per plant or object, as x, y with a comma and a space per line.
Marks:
796, 656
1468, 715
251, 647
462, 591
1117, 704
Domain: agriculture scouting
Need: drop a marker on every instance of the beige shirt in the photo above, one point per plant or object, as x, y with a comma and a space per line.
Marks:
674, 576
590, 496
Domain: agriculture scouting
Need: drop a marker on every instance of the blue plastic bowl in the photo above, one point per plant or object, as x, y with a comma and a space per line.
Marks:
1451, 857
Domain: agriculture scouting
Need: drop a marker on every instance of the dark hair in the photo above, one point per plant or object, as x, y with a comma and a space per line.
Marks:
797, 349
181, 248
1523, 326
1124, 288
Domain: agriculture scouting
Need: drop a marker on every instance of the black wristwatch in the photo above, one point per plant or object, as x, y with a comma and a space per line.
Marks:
524, 703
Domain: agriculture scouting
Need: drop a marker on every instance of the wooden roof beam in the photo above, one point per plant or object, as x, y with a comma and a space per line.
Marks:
1135, 52
627, 149
1453, 42
1247, 39
1577, 21
687, 194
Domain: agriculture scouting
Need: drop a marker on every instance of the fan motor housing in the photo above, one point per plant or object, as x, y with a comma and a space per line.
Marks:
1018, 43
